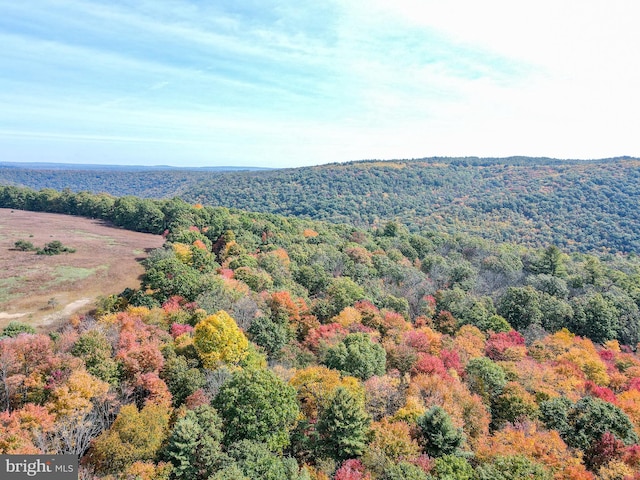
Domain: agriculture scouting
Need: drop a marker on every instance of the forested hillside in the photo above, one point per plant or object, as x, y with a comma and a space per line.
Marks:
267, 347
577, 205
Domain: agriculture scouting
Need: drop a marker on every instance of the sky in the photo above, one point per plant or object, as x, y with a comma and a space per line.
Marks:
275, 83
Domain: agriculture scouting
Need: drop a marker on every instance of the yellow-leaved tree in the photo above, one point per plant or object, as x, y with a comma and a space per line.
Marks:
218, 340
75, 396
316, 385
135, 436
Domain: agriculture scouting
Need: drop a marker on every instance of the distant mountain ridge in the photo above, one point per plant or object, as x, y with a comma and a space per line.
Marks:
583, 205
127, 168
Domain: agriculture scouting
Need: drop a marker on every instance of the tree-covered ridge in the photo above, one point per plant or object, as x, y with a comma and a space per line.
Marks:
578, 205
328, 263
259, 346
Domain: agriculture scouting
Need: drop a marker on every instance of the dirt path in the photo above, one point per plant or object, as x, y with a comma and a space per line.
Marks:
66, 312
11, 316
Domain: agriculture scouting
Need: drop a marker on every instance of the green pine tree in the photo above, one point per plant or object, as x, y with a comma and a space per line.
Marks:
439, 434
194, 446
343, 426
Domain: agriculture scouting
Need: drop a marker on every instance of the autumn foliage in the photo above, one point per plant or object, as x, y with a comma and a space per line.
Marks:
262, 347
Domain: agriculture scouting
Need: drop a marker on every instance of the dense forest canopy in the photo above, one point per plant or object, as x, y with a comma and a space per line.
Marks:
268, 347
585, 206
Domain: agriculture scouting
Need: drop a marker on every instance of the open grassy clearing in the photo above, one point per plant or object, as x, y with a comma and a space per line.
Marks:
40, 289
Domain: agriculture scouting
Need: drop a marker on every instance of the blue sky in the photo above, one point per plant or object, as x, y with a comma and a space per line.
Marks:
283, 83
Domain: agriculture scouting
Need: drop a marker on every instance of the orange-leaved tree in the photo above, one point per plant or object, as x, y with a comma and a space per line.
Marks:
526, 438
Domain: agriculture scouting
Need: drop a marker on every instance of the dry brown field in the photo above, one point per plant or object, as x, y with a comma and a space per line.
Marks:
42, 290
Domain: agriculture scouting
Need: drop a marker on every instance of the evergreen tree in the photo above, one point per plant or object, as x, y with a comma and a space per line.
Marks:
343, 426
439, 435
230, 472
257, 461
194, 446
551, 262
